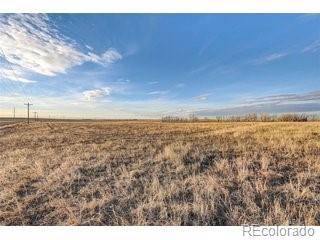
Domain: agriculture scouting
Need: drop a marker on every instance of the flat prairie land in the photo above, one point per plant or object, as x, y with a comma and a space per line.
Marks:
154, 173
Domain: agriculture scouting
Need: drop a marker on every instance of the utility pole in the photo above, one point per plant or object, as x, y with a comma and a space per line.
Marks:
14, 113
35, 116
28, 105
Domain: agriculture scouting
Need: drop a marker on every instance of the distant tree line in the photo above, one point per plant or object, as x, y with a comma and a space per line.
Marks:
252, 117
191, 118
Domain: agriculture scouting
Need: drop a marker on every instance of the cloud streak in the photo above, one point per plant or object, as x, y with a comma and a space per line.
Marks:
269, 58
90, 95
261, 108
158, 92
202, 97
291, 97
313, 47
282, 103
33, 43
14, 74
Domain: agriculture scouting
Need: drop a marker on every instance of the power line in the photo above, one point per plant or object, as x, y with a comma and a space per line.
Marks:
28, 105
15, 84
36, 116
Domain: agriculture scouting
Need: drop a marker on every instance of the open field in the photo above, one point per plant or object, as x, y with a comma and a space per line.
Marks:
153, 173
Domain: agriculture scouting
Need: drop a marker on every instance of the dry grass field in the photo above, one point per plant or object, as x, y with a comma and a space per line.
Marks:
155, 173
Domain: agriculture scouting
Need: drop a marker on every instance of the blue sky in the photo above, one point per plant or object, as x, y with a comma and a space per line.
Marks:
151, 65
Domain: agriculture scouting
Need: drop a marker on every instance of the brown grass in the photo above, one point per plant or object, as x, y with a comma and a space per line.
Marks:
153, 173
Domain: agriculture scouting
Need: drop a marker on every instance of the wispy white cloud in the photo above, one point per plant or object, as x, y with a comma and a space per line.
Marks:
96, 93
14, 74
111, 56
33, 43
281, 103
158, 92
123, 81
285, 98
202, 97
153, 82
271, 108
269, 58
313, 47
89, 47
